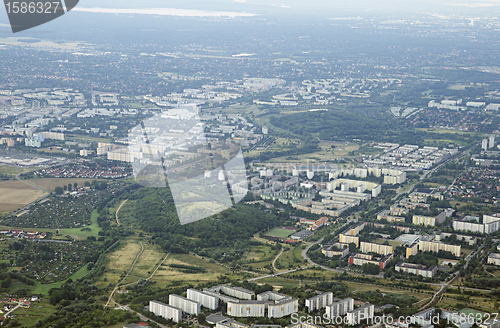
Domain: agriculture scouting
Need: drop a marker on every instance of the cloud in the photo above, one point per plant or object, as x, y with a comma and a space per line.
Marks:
472, 5
165, 12
240, 1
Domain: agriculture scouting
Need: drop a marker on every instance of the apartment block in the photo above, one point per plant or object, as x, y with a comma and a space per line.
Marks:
375, 248
166, 311
434, 246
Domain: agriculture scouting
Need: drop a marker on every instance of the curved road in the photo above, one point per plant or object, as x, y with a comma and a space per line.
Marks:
29, 183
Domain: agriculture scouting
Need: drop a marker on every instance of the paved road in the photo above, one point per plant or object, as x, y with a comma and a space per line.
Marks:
33, 185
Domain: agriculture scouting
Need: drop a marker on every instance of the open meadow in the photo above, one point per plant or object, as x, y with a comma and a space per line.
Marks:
186, 268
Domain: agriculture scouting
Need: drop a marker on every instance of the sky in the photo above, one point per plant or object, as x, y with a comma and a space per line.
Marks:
91, 12
304, 6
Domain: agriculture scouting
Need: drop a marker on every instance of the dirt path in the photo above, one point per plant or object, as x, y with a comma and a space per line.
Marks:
274, 261
118, 210
159, 265
130, 270
262, 240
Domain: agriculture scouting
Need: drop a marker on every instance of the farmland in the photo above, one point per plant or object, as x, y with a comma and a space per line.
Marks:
17, 194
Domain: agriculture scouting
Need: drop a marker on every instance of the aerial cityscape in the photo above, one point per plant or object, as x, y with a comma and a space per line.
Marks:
236, 164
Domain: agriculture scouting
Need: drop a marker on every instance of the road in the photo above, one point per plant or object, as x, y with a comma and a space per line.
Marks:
29, 183
11, 310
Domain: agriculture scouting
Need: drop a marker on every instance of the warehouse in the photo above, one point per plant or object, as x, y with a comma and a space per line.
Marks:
319, 302
166, 311
184, 304
204, 299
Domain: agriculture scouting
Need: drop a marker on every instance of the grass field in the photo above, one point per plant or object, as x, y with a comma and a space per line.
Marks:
80, 234
474, 313
89, 139
120, 260
291, 258
341, 150
279, 233
148, 261
44, 288
50, 184
12, 170
166, 274
37, 311
15, 194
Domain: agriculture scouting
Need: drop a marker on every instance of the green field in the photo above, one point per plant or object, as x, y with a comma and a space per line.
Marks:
44, 288
473, 313
12, 170
82, 233
279, 233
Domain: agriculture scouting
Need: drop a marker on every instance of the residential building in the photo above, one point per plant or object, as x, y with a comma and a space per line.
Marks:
417, 269
319, 302
494, 258
434, 246
166, 311
375, 248
339, 308
364, 312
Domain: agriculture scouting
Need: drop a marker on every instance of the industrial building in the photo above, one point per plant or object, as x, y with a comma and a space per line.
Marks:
354, 317
206, 300
339, 308
319, 302
165, 311
435, 246
417, 269
188, 306
375, 248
